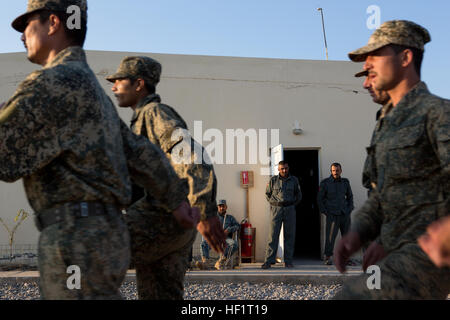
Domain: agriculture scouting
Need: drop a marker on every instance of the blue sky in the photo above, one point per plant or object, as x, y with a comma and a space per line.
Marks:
287, 29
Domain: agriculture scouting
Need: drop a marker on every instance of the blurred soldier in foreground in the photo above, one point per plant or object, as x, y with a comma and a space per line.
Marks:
160, 248
412, 165
61, 133
375, 251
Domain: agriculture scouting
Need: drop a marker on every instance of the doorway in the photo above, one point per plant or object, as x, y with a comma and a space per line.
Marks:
304, 164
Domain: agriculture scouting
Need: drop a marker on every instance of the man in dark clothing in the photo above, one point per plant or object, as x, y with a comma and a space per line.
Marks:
335, 200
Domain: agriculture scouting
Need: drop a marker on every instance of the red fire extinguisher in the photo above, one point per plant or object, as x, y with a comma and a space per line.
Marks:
246, 239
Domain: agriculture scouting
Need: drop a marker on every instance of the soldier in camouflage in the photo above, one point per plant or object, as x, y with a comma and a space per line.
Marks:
411, 162
375, 251
61, 133
161, 249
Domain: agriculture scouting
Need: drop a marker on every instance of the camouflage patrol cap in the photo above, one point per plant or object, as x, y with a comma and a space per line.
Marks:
20, 23
138, 67
363, 73
401, 32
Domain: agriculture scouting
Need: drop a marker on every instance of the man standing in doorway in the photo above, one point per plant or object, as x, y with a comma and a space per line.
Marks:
335, 201
283, 193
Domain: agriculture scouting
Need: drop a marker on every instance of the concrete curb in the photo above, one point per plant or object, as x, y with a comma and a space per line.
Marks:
297, 276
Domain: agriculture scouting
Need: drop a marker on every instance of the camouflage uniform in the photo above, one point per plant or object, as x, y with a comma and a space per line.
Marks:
411, 162
61, 133
160, 247
369, 177
283, 194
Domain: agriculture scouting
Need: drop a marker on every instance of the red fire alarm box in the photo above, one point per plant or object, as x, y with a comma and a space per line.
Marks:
247, 180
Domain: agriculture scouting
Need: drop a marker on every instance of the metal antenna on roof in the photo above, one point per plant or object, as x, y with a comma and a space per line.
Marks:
324, 34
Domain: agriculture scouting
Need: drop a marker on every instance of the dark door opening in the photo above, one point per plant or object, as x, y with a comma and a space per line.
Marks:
304, 164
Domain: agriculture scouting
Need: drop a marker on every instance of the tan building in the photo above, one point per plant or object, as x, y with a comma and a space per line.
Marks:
219, 95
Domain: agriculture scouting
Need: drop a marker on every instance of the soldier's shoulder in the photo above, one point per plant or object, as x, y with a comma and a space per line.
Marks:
164, 111
436, 109
432, 102
438, 104
38, 76
38, 82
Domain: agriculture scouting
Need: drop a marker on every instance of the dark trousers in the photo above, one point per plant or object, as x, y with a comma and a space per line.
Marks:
286, 217
334, 224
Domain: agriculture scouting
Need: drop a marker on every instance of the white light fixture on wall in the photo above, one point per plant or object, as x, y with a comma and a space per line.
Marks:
297, 130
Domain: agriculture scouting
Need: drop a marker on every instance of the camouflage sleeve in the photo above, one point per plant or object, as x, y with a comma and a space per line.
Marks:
202, 187
150, 168
366, 181
29, 136
367, 220
161, 122
438, 128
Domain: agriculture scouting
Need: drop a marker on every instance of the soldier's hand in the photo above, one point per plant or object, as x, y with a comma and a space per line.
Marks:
373, 254
436, 242
212, 231
186, 216
346, 247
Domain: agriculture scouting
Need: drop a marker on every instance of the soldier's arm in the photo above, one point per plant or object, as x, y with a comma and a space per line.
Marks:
367, 220
150, 168
29, 134
163, 123
438, 128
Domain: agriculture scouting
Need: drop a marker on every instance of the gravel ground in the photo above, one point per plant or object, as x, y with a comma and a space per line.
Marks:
205, 291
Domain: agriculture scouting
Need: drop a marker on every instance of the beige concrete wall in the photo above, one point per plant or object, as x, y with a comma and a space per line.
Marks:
336, 115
